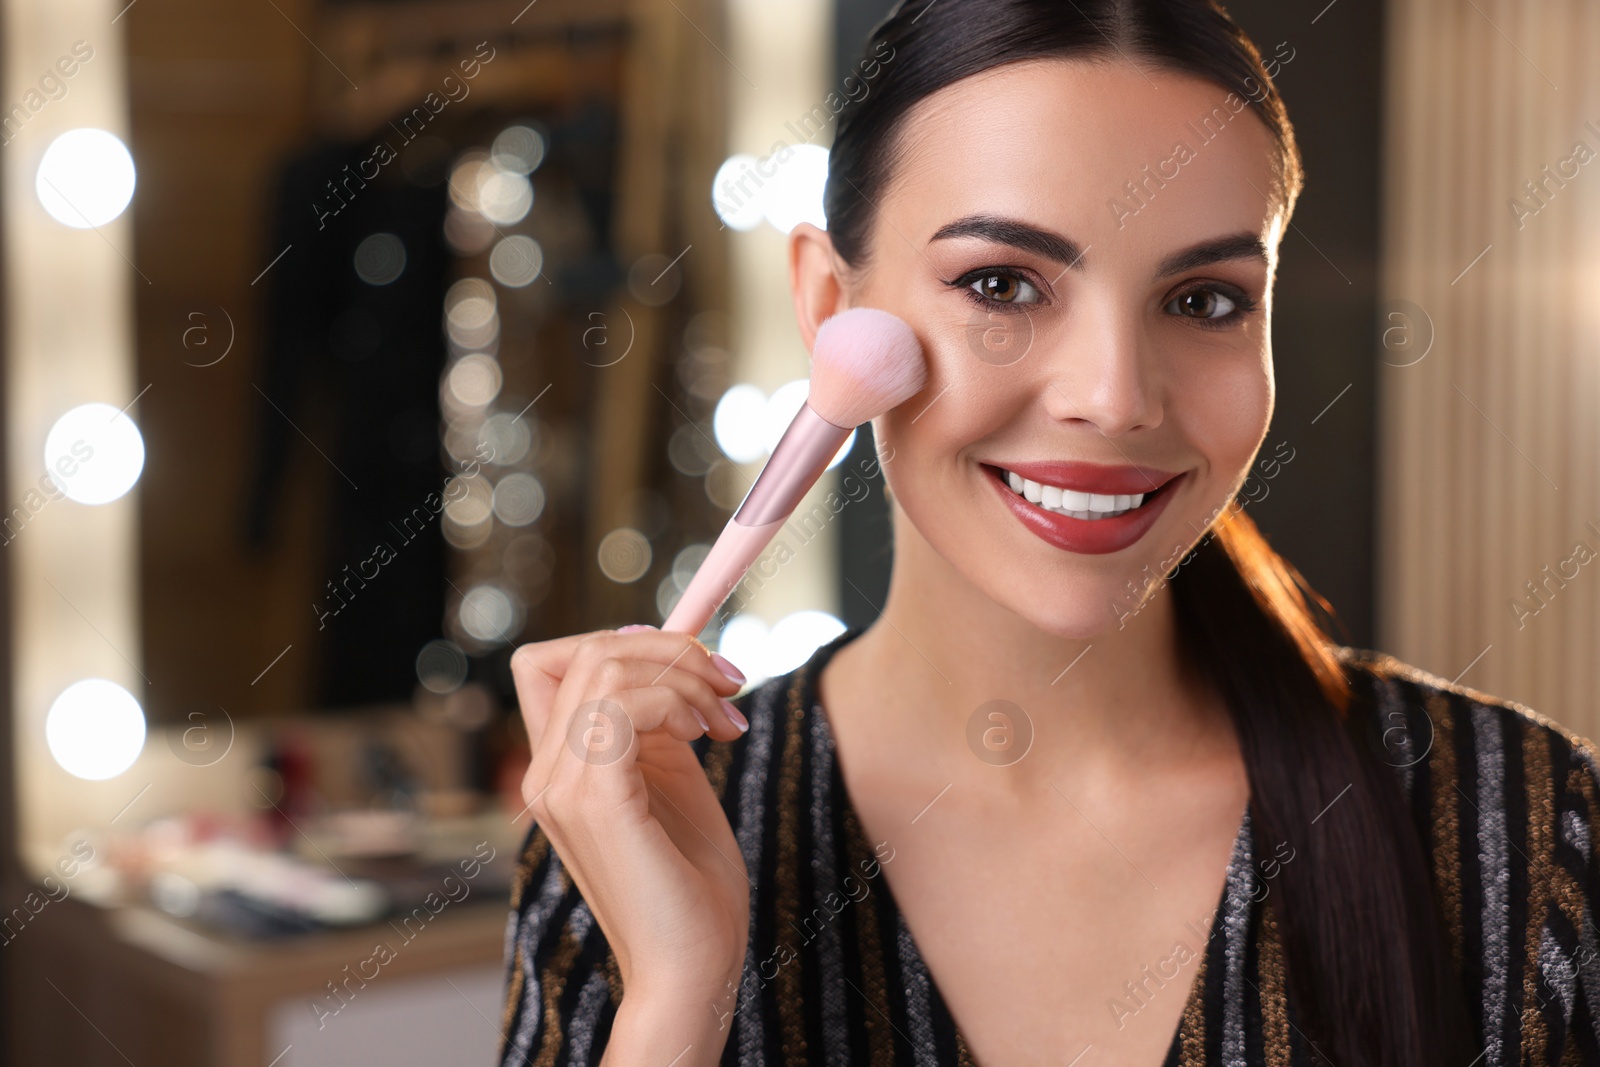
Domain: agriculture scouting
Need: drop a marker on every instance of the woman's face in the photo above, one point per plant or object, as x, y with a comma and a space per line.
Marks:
1085, 252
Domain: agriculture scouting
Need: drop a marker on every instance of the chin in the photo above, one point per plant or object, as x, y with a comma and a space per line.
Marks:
1085, 619
1090, 610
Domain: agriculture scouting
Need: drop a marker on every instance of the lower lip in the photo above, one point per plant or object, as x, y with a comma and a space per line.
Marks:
1092, 537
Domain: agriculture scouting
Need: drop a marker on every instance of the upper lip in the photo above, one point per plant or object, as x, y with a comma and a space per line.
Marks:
1090, 477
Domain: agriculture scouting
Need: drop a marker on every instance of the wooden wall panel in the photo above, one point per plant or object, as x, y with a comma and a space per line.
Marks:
1489, 472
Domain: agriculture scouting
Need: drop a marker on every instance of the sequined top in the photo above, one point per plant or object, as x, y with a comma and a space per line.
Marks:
1504, 800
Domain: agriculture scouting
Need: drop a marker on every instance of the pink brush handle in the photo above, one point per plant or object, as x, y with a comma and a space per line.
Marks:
737, 547
802, 454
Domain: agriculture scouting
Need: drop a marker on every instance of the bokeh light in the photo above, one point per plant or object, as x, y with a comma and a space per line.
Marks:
504, 198
763, 653
466, 231
464, 178
95, 729
744, 641
490, 614
688, 561
782, 406
470, 500
726, 484
95, 453
739, 423
465, 538
795, 192
85, 178
516, 260
624, 555
380, 259
470, 313
740, 207
509, 438
691, 449
518, 499
474, 380
441, 666
748, 424
518, 149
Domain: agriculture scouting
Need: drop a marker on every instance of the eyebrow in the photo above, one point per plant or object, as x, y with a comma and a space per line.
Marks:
1217, 250
1017, 234
1064, 250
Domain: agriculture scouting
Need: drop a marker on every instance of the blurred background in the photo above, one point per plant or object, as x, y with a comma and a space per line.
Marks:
348, 345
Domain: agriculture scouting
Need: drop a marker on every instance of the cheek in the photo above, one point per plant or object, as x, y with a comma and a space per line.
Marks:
975, 358
1224, 414
964, 402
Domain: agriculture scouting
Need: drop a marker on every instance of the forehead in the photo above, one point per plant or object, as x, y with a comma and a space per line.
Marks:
1059, 142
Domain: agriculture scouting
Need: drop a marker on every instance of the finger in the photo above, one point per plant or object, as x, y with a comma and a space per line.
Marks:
599, 711
651, 708
670, 650
593, 722
546, 669
592, 772
537, 669
692, 689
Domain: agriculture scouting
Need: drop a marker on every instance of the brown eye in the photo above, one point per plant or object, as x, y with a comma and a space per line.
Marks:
1202, 304
1005, 289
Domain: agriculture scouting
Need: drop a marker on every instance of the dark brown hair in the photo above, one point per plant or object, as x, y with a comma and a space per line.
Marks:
1373, 980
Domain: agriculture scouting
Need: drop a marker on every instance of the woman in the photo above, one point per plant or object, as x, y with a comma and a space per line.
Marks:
1096, 786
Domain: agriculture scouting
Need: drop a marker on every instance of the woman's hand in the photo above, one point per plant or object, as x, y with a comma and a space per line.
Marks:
626, 804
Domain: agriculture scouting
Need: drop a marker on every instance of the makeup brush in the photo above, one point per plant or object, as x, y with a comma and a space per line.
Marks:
864, 362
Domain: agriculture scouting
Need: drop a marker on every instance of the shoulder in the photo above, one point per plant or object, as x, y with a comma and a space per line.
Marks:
1415, 718
1504, 801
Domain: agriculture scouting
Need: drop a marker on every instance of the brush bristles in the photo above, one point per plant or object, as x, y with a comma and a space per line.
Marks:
865, 361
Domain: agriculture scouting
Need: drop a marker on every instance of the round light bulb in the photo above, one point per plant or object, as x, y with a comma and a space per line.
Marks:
94, 453
85, 178
95, 729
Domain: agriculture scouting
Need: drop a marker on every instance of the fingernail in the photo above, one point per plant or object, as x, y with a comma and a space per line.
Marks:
634, 628
701, 719
726, 667
733, 714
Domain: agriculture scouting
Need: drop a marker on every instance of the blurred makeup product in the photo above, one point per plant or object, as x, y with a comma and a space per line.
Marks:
864, 362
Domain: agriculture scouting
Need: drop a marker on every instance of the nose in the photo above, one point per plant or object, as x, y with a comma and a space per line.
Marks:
1101, 373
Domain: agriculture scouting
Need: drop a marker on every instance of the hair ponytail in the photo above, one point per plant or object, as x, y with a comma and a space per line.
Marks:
1369, 966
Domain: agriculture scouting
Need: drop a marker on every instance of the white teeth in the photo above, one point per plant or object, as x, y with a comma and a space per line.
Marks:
1070, 501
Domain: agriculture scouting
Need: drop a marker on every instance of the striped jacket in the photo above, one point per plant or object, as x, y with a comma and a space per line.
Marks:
1504, 800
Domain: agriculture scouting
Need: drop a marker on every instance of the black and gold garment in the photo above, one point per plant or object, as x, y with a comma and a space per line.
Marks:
1504, 799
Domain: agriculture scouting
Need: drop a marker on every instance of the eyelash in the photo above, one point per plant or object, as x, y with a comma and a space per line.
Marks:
964, 283
1243, 304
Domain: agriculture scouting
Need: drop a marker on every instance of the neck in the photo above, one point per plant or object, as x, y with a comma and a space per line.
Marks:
942, 648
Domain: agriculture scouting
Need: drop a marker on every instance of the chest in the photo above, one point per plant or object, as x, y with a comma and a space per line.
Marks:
1056, 924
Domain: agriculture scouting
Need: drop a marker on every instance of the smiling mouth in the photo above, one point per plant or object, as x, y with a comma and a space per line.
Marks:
1073, 503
